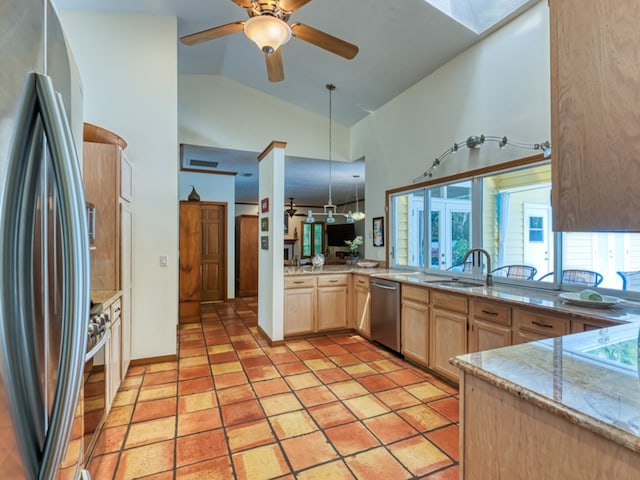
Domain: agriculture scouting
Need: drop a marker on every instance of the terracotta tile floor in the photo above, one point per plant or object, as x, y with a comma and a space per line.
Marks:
329, 407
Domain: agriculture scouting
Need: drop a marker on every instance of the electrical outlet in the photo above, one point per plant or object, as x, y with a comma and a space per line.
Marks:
164, 261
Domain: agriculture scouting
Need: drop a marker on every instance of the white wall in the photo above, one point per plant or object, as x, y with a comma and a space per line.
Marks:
128, 65
217, 112
501, 86
216, 188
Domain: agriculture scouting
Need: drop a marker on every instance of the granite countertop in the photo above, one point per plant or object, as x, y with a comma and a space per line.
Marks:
536, 298
590, 378
105, 297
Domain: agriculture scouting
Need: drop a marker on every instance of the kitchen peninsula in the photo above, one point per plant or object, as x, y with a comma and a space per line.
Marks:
567, 407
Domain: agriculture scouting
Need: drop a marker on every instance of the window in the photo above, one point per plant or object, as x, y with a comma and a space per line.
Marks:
312, 239
508, 213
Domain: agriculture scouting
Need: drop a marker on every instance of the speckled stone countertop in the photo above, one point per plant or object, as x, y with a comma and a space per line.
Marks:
105, 297
539, 299
590, 379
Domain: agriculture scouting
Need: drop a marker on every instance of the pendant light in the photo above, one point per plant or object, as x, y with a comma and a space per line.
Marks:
353, 217
329, 208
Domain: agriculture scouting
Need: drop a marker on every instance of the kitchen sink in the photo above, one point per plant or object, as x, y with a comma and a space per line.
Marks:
455, 283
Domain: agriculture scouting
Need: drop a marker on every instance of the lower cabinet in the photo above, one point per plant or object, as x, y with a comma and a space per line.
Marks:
113, 370
490, 326
332, 302
299, 305
531, 325
315, 303
362, 302
447, 332
415, 324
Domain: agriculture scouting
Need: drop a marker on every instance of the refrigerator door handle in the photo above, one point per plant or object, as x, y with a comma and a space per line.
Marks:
75, 255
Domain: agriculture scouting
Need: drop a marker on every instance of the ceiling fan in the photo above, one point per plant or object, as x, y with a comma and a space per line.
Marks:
267, 26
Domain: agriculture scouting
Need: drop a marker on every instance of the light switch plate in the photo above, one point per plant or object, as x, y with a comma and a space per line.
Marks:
164, 261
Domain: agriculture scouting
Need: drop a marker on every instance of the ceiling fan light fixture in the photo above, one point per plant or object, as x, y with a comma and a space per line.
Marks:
267, 32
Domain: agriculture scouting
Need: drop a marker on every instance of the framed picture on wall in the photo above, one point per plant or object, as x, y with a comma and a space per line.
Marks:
378, 232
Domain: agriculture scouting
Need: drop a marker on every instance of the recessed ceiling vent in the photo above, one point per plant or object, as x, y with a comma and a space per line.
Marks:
203, 163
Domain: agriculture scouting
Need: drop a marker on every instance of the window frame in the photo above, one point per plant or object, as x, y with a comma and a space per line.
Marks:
474, 176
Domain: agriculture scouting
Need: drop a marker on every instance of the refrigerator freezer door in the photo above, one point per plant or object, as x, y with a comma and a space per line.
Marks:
44, 250
21, 52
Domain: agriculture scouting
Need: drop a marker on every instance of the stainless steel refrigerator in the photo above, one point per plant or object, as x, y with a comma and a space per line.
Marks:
44, 248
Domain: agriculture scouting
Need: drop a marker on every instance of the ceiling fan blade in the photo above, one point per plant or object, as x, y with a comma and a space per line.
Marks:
324, 40
242, 3
292, 5
211, 33
275, 68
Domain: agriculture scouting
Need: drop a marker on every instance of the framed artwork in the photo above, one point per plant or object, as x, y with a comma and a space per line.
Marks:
264, 205
264, 224
378, 232
264, 242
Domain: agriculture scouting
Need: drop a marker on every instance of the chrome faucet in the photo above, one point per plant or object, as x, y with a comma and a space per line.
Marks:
476, 252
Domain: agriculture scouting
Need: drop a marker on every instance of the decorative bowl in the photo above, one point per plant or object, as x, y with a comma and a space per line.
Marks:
366, 264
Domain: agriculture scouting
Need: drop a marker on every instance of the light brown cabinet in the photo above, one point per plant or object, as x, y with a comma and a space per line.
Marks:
332, 302
415, 324
108, 184
113, 351
595, 93
490, 325
315, 303
447, 331
531, 325
361, 320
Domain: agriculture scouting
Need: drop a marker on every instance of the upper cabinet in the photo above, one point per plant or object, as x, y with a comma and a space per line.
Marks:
595, 115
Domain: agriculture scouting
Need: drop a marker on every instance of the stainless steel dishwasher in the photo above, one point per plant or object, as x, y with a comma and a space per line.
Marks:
385, 313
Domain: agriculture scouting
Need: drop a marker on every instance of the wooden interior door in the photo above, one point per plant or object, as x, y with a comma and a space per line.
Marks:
190, 242
213, 257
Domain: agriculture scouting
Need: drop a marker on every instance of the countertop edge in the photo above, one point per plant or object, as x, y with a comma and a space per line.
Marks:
603, 429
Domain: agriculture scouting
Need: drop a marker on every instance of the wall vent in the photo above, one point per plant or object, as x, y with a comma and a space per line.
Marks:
203, 163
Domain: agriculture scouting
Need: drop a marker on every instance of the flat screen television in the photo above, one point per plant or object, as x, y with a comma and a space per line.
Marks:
337, 233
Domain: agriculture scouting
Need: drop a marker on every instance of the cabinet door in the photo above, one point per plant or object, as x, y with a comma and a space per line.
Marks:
487, 335
595, 93
361, 318
299, 310
447, 338
126, 178
415, 330
112, 363
331, 308
126, 225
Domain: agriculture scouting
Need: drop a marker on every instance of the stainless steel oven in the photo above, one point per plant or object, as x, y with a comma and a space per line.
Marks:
95, 386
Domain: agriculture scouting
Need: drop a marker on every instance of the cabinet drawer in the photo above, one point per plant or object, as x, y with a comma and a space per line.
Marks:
448, 301
116, 308
361, 281
331, 280
545, 325
491, 311
300, 281
417, 294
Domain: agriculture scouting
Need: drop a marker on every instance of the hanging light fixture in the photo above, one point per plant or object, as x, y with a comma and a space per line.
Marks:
357, 215
291, 211
329, 208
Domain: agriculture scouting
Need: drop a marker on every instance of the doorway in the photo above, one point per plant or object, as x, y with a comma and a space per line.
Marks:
203, 257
